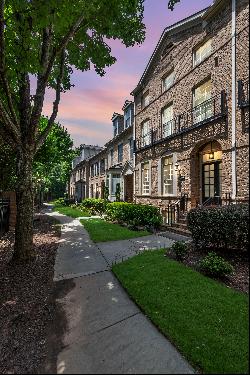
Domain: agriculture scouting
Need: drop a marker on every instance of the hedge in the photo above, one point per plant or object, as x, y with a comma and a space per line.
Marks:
225, 226
134, 214
95, 205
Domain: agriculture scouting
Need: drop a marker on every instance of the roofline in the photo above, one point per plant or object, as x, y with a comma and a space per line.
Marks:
115, 116
213, 9
175, 26
127, 104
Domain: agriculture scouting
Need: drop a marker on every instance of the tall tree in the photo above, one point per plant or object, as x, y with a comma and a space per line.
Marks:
53, 161
47, 40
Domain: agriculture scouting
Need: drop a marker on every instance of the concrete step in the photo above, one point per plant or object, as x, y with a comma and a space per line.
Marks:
180, 225
181, 231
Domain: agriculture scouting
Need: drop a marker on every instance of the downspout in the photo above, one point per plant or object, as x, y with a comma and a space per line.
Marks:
134, 135
234, 102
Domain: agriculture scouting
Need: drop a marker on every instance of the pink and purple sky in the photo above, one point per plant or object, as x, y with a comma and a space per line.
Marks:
86, 110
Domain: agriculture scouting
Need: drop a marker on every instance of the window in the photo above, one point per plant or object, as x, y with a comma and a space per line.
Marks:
127, 118
92, 191
145, 100
167, 174
92, 170
115, 125
111, 157
202, 52
102, 166
131, 148
202, 104
96, 168
168, 81
145, 134
116, 179
167, 121
145, 179
120, 153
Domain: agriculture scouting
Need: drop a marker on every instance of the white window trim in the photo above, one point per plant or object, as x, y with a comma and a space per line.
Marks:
166, 76
149, 162
175, 177
195, 63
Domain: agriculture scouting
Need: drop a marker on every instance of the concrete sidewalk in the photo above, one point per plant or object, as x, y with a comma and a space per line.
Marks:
106, 333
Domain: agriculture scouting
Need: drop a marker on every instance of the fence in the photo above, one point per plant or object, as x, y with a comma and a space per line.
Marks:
4, 215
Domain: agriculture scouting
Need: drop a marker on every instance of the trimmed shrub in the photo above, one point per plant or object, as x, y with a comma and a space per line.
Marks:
63, 201
215, 266
134, 214
226, 226
180, 250
95, 205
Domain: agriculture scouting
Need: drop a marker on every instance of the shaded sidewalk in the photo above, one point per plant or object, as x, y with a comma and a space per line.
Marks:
104, 331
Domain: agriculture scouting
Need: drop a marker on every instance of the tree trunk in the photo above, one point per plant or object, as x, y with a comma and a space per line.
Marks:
23, 249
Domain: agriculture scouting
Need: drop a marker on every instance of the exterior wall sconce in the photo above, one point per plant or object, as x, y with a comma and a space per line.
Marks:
211, 155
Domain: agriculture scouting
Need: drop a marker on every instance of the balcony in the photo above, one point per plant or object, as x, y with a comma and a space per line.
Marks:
243, 94
207, 112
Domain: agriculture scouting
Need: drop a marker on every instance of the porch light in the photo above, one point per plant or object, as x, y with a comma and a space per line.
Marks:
211, 155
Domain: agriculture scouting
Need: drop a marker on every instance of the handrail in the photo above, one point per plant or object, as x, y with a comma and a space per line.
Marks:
203, 113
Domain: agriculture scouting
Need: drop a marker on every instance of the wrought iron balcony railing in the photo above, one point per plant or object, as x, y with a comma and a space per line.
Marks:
243, 94
208, 111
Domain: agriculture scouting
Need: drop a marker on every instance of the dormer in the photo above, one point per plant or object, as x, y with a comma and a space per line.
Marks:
128, 109
118, 123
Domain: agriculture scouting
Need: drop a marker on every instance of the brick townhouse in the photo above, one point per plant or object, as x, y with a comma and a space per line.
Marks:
192, 112
109, 166
79, 177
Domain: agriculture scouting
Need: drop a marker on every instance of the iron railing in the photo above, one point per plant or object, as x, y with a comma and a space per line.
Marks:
243, 94
206, 112
4, 215
174, 210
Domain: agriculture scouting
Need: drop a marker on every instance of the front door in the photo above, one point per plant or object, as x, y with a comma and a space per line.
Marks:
211, 180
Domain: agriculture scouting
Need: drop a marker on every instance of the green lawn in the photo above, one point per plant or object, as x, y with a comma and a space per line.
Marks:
102, 231
72, 212
207, 321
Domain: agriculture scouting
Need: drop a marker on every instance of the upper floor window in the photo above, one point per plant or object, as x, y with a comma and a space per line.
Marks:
127, 117
115, 125
92, 170
202, 103
167, 121
120, 153
145, 133
131, 148
145, 100
201, 52
102, 166
96, 166
168, 81
167, 174
111, 157
145, 178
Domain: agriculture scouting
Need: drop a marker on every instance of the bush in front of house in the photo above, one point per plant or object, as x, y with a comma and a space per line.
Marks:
215, 266
95, 205
180, 250
63, 202
134, 215
225, 226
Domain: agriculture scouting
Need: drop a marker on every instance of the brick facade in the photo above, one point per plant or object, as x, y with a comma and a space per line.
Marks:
109, 166
175, 53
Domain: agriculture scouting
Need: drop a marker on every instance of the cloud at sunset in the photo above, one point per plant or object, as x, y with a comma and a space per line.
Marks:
86, 110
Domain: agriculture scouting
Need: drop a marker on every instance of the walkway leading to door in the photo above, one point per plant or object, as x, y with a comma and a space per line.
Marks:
106, 332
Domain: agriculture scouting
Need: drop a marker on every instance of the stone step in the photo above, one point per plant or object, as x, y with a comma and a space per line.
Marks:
180, 225
181, 231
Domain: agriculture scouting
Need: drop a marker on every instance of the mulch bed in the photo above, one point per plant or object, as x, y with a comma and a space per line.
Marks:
239, 280
26, 300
